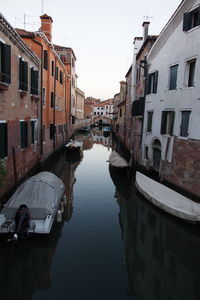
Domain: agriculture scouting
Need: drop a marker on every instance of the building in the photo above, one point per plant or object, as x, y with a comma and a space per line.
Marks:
54, 87
68, 58
80, 100
171, 137
139, 85
20, 108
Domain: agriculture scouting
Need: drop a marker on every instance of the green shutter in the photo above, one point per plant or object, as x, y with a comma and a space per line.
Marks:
45, 57
163, 122
24, 134
32, 132
148, 84
187, 21
171, 130
149, 121
4, 140
155, 82
6, 63
20, 74
25, 75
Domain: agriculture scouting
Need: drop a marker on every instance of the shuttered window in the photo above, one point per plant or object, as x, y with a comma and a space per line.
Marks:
23, 75
56, 73
191, 19
5, 63
173, 77
3, 140
33, 131
167, 122
24, 134
34, 81
45, 59
191, 66
61, 77
52, 131
52, 68
149, 121
52, 99
152, 83
185, 118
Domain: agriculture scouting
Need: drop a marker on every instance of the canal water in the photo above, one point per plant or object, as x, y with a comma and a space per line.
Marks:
111, 243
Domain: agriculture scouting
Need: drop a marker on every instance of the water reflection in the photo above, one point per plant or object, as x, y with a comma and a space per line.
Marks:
25, 267
162, 253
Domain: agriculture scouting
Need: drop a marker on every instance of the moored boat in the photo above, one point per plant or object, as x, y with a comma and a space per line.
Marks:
74, 145
167, 199
117, 162
41, 196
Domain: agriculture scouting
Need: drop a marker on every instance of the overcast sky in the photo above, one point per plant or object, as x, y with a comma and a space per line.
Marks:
101, 33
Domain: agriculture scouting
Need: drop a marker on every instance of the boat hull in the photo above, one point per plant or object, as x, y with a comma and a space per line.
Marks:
167, 199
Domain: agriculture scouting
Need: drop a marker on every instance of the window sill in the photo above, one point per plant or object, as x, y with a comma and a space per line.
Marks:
23, 93
34, 97
4, 86
183, 138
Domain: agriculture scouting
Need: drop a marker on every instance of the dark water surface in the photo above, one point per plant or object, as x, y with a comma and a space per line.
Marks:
111, 244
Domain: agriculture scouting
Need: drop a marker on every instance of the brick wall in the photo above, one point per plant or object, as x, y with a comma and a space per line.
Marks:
184, 171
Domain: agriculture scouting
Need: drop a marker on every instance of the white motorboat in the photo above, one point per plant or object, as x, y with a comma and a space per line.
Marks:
74, 145
167, 199
117, 162
42, 195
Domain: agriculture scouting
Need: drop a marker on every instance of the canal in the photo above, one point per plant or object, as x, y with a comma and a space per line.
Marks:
111, 243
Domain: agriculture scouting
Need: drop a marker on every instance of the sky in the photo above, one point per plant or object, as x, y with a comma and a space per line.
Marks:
101, 33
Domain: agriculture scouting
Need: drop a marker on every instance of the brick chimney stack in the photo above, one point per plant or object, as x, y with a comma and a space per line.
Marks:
145, 29
46, 26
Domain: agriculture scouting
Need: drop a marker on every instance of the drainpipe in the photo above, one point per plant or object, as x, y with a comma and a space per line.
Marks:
41, 89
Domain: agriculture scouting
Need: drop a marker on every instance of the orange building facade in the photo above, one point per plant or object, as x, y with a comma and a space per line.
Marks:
55, 83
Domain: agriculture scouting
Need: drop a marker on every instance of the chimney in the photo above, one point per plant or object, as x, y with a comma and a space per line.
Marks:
145, 26
46, 26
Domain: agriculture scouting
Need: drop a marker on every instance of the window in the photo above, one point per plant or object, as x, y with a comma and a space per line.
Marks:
185, 118
191, 71
120, 113
52, 99
5, 63
4, 140
101, 113
191, 19
56, 73
149, 121
152, 82
52, 68
52, 131
167, 122
146, 152
45, 58
61, 77
23, 75
24, 134
73, 120
173, 77
34, 81
33, 131
43, 96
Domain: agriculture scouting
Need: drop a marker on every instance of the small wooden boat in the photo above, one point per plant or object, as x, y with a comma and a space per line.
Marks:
167, 199
41, 195
74, 145
117, 162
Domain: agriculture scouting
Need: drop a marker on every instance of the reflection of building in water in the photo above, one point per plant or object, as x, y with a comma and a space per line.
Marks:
25, 268
98, 138
162, 254
71, 163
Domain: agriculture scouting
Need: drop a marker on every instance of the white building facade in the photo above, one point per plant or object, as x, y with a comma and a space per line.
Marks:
171, 131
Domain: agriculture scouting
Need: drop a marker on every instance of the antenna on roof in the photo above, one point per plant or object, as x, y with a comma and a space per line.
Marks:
42, 7
147, 18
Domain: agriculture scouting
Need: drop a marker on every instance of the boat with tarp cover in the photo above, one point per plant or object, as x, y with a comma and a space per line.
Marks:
38, 198
167, 199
